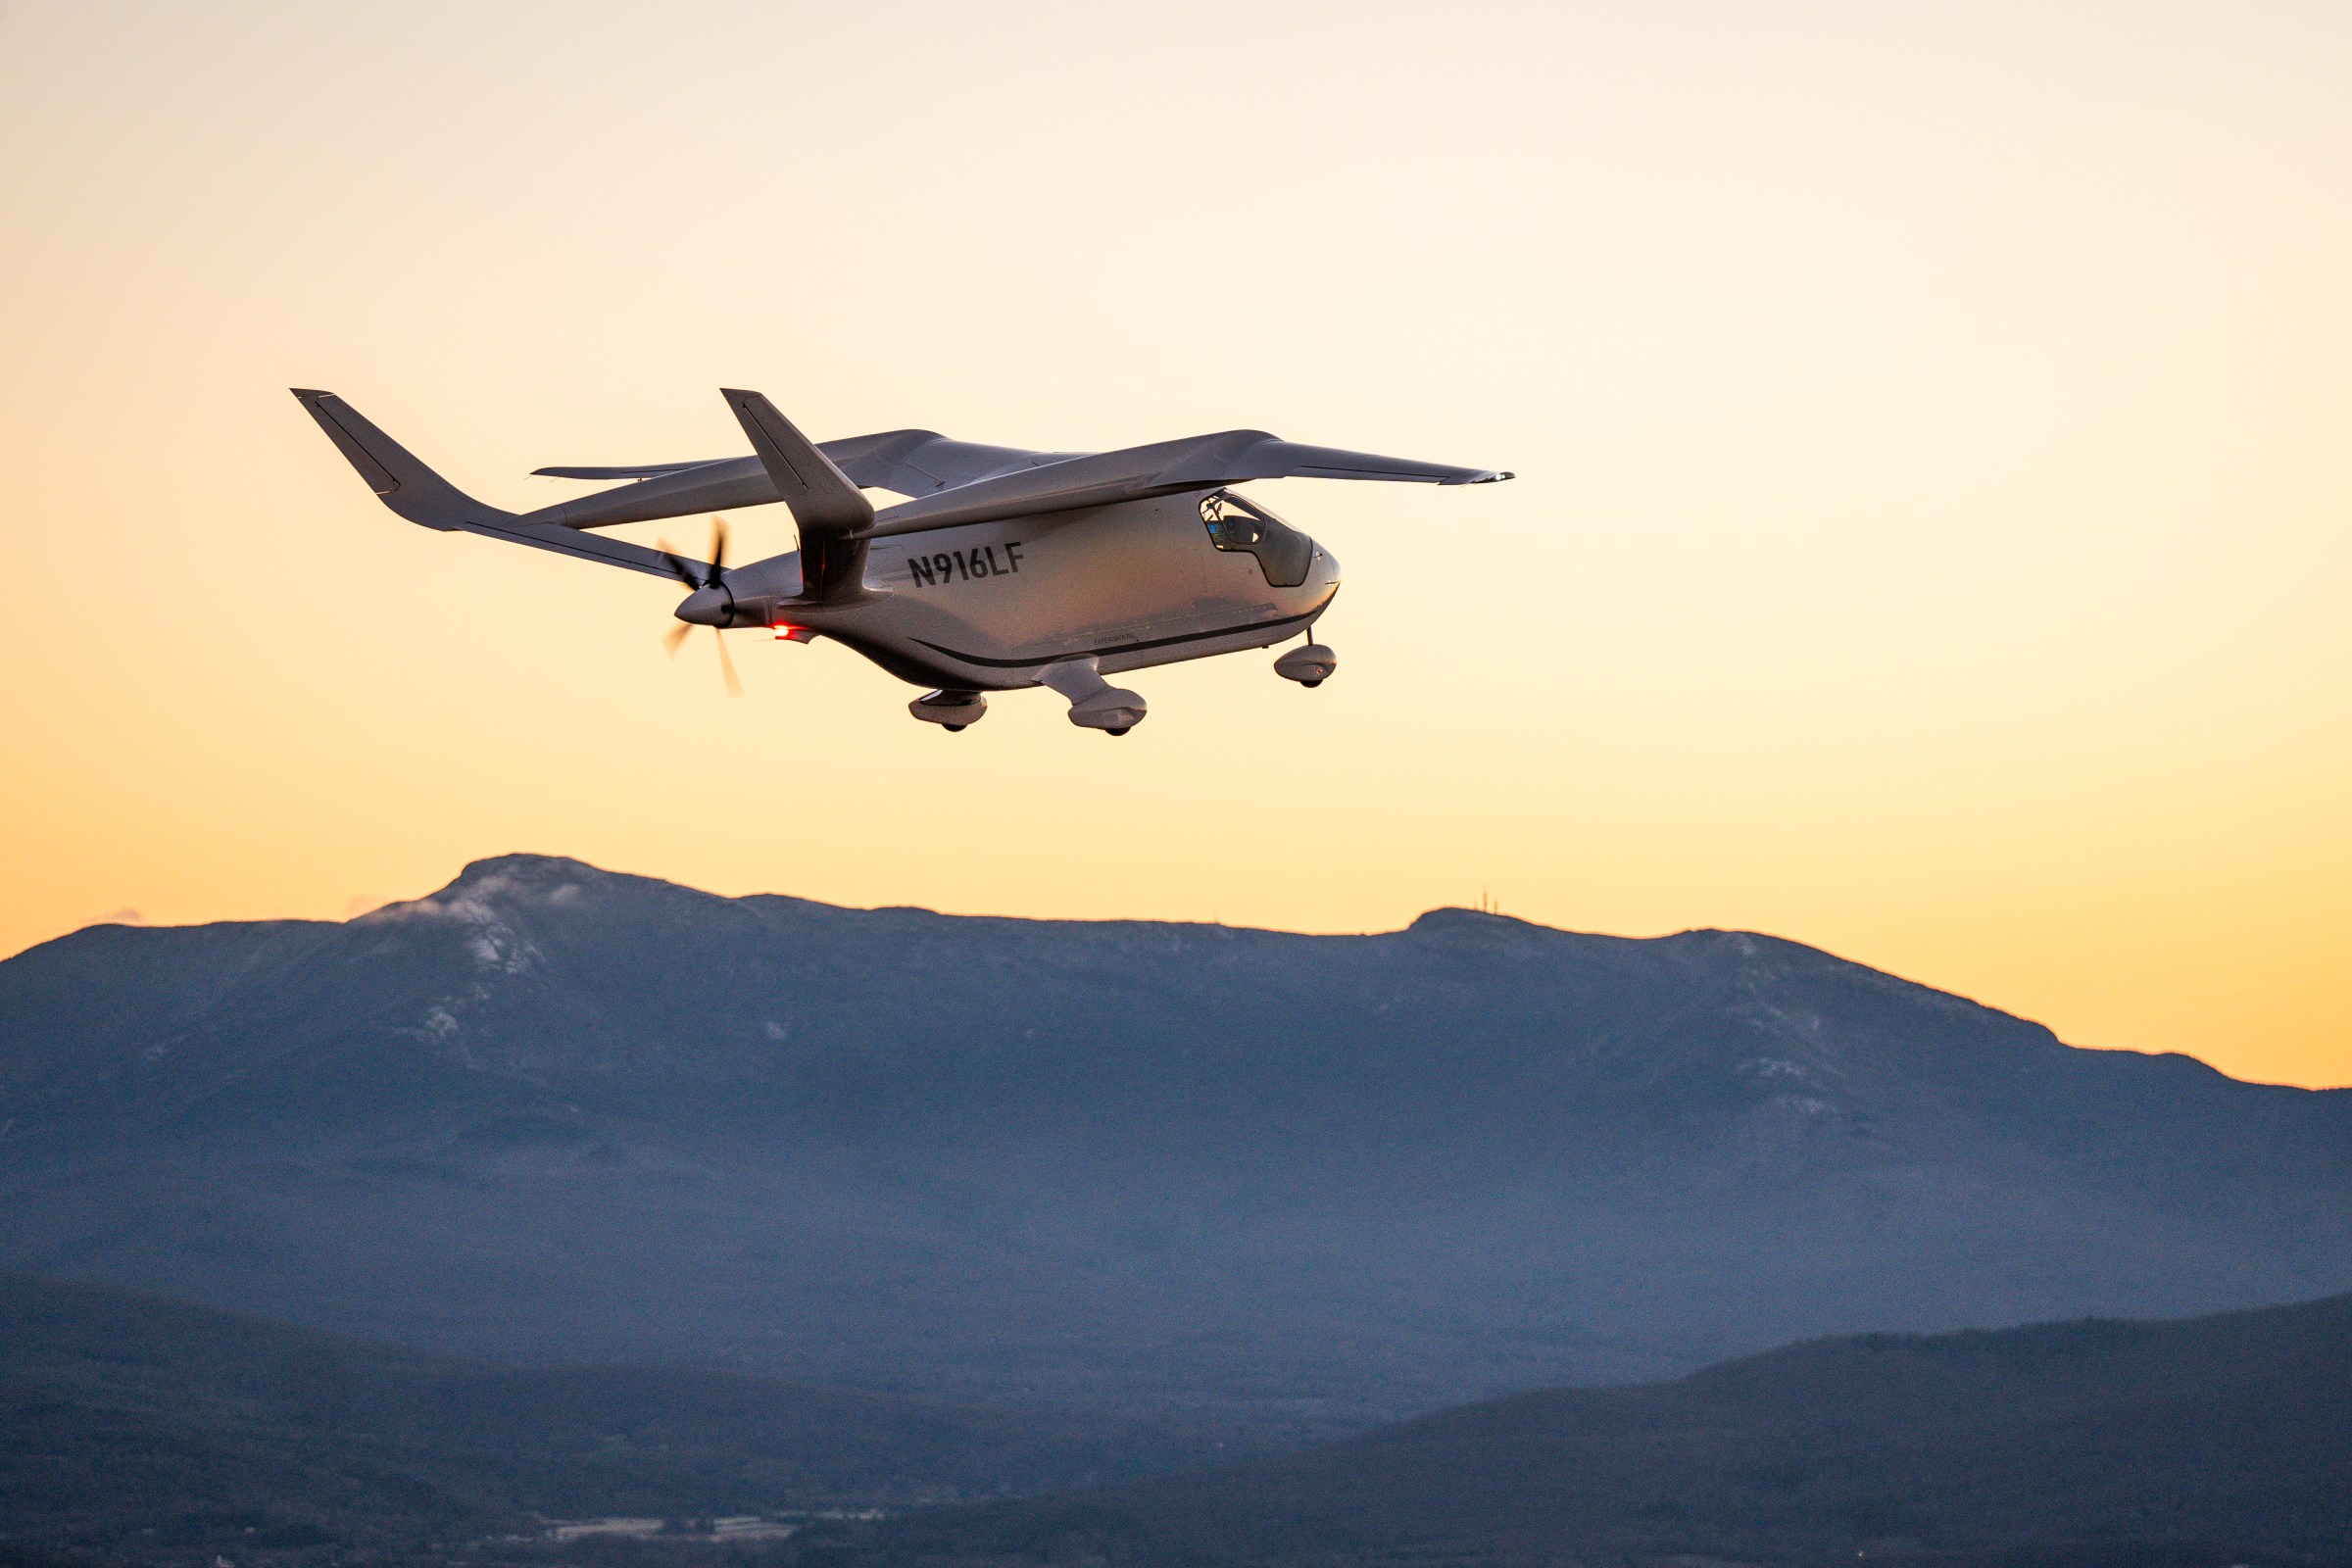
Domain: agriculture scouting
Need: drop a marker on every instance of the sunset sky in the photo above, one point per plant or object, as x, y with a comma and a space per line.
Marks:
1933, 539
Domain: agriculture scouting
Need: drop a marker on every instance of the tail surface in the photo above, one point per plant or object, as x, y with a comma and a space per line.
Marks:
402, 483
831, 513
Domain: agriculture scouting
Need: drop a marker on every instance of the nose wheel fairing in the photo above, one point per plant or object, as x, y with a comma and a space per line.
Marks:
1310, 665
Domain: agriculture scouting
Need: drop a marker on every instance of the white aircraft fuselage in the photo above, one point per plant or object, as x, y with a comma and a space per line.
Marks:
989, 605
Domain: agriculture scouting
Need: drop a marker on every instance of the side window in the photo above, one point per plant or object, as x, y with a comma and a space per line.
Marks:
1282, 553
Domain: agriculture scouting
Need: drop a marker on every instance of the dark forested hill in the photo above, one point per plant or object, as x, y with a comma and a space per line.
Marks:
138, 1429
553, 1113
134, 1424
2215, 1441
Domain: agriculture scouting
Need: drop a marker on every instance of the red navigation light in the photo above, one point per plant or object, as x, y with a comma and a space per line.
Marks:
788, 633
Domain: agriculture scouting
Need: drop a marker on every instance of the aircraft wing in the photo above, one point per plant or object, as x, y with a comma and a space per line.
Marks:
1197, 463
626, 471
912, 463
586, 546
948, 482
922, 462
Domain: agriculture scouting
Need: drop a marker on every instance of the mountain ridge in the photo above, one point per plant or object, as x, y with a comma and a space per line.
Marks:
1316, 1179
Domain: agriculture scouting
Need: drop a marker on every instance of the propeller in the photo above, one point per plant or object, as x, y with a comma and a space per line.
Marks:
715, 576
683, 570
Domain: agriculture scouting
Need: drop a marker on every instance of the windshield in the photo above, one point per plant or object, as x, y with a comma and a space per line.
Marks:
1282, 553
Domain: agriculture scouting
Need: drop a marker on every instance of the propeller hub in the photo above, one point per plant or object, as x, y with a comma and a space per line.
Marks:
707, 606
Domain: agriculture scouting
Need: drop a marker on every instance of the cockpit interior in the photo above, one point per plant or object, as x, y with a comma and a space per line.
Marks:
1243, 526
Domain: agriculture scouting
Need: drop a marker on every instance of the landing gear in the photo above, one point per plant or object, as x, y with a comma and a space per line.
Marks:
1309, 666
1094, 703
952, 710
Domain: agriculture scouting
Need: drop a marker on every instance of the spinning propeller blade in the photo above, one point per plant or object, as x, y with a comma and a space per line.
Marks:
683, 570
713, 577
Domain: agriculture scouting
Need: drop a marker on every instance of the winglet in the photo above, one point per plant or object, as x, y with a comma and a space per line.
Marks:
418, 494
402, 483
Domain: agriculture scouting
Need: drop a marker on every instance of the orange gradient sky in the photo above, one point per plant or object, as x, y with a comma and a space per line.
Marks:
1933, 541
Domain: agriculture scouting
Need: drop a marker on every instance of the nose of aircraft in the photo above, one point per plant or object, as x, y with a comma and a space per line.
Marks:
706, 606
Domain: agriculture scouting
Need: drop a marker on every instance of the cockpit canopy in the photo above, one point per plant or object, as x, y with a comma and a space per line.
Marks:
1282, 553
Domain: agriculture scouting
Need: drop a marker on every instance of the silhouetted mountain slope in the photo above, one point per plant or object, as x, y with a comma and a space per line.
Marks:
2234, 1431
123, 1413
556, 1114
